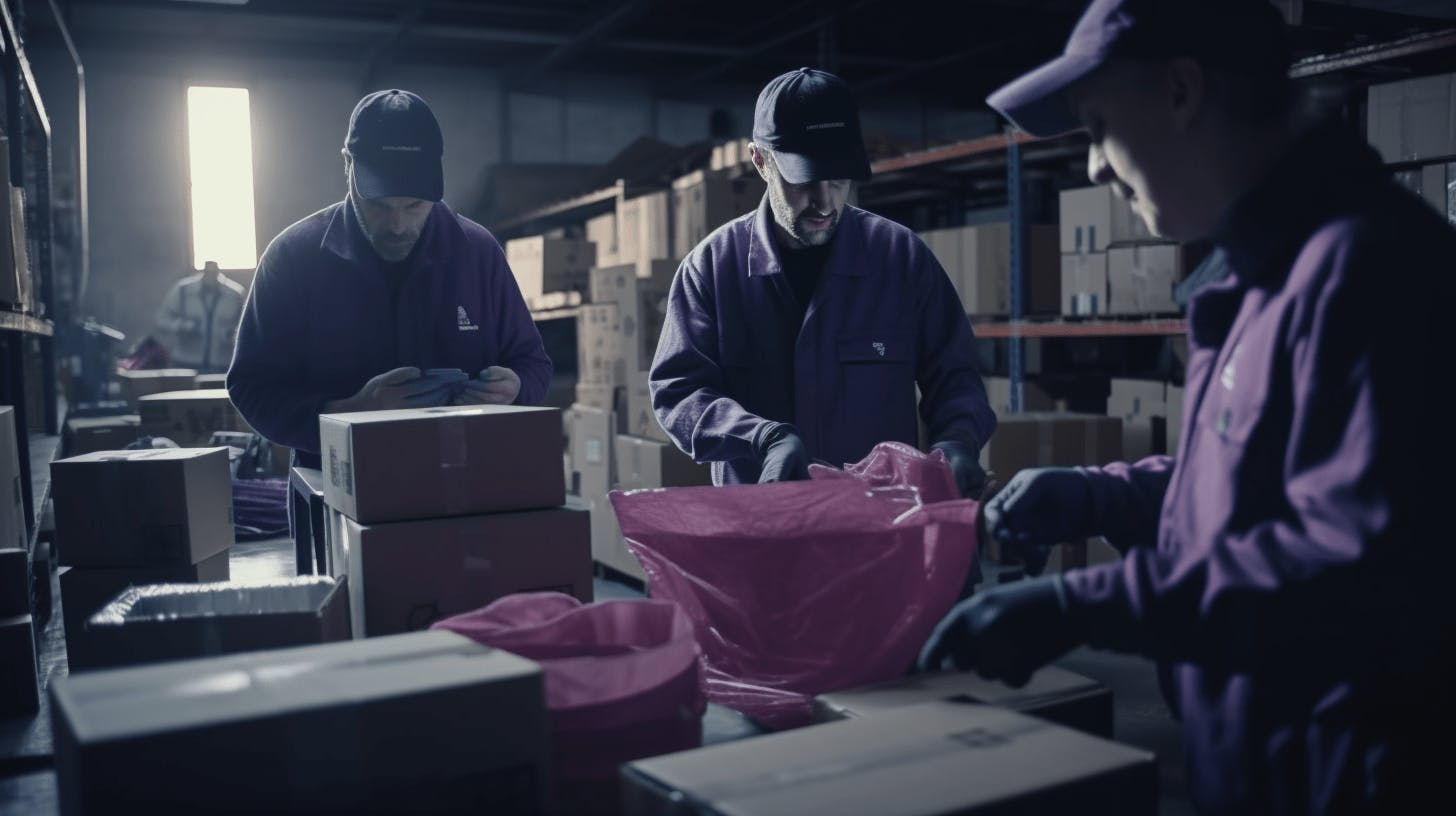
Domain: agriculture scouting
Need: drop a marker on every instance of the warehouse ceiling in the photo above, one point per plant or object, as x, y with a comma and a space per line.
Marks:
955, 51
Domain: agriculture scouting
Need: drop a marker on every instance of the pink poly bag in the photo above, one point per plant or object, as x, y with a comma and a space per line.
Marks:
624, 680
799, 588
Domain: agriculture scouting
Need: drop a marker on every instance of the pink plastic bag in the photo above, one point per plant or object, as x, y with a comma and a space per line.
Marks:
624, 680
799, 588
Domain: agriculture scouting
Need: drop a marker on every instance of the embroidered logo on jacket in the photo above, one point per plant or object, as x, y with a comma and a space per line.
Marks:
462, 320
879, 348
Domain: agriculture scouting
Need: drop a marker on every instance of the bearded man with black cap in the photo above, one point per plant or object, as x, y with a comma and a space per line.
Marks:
800, 331
352, 306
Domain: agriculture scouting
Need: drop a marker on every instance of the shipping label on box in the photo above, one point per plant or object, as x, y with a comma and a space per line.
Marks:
648, 463
542, 264
189, 418
12, 502
137, 384
404, 576
1140, 279
142, 507
1084, 285
1051, 440
640, 418
600, 356
336, 726
1095, 218
429, 462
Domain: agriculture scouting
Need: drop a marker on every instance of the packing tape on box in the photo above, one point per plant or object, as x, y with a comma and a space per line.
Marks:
450, 439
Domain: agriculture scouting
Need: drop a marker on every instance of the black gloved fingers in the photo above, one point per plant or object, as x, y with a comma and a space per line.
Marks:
949, 640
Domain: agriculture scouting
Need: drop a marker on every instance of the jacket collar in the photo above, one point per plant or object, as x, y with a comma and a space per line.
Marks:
763, 249
345, 238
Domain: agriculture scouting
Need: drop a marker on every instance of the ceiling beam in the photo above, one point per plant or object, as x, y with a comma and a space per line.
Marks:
608, 24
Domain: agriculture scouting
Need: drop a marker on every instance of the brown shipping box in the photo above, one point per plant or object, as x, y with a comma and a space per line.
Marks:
648, 463
640, 419
1137, 403
599, 357
705, 200
936, 758
601, 397
429, 462
1140, 279
142, 507
84, 590
12, 503
1413, 119
406, 575
1084, 284
641, 309
543, 264
1095, 218
1052, 693
644, 232
602, 231
335, 728
998, 395
89, 434
1051, 439
985, 268
189, 418
138, 384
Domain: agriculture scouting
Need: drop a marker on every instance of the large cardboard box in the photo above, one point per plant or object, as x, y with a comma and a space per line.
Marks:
599, 356
205, 381
426, 722
189, 418
592, 441
12, 501
19, 674
640, 420
138, 384
936, 758
1139, 403
1413, 119
406, 575
705, 200
641, 311
1052, 693
644, 230
543, 264
648, 463
1084, 284
84, 590
90, 434
1095, 218
602, 231
998, 394
601, 397
977, 259
150, 624
1051, 439
1140, 278
142, 507
429, 462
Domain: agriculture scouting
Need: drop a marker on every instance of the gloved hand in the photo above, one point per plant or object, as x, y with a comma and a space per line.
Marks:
1006, 633
397, 388
782, 453
1038, 509
963, 457
496, 385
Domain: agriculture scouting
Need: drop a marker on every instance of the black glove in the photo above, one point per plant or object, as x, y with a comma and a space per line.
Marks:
963, 458
781, 453
1038, 509
1006, 633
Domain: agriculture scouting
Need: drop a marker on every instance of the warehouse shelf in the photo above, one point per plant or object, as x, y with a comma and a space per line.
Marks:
1375, 54
1058, 327
13, 321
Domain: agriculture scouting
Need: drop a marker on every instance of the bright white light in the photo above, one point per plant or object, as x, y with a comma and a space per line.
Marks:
220, 150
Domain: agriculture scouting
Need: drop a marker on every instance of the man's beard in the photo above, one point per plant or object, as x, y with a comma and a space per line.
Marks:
392, 248
793, 223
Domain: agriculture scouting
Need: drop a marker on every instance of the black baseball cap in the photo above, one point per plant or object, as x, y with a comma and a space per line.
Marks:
396, 146
1246, 36
809, 120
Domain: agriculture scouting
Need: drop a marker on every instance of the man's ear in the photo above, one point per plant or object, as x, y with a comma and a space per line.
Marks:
760, 162
1186, 89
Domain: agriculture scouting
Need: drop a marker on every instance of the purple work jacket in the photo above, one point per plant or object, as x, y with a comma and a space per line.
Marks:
1290, 570
884, 319
319, 324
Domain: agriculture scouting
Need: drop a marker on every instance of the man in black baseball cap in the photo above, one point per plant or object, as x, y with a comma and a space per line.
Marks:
352, 306
1282, 568
802, 330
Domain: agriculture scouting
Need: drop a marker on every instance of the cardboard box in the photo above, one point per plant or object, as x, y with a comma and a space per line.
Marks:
998, 394
602, 231
1137, 403
332, 728
644, 231
640, 420
84, 590
1174, 432
1140, 279
429, 462
648, 463
142, 507
150, 624
936, 758
138, 384
1095, 218
90, 434
406, 575
1051, 439
206, 381
1413, 119
1052, 694
977, 259
12, 497
608, 547
189, 418
19, 674
1084, 285
592, 441
14, 581
600, 359
543, 264
705, 200
601, 397
641, 312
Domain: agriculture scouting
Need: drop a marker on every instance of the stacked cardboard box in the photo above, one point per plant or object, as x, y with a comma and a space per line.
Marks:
730, 155
131, 518
1111, 264
1142, 405
543, 265
644, 231
977, 259
705, 200
1414, 120
140, 383
443, 510
88, 434
602, 231
189, 418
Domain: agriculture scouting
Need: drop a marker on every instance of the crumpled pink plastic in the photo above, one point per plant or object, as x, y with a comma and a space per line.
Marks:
624, 680
799, 588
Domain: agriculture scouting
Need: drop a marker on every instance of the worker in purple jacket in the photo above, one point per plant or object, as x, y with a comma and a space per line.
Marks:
354, 304
1291, 568
800, 332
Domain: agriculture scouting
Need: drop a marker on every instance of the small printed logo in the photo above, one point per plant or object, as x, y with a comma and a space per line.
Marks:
879, 348
462, 320
404, 148
825, 126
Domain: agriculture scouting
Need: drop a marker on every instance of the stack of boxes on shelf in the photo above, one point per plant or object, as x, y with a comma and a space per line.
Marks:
977, 259
1414, 121
438, 511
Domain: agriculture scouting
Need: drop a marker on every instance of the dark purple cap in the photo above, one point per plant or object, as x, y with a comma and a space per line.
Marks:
809, 120
1246, 36
396, 146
